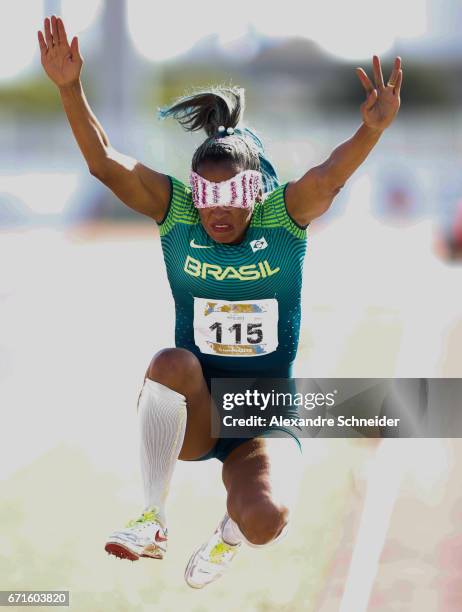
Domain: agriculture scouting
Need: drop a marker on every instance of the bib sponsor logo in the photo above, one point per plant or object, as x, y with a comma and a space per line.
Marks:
250, 272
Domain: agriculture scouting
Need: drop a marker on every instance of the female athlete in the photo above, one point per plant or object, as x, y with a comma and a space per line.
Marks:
233, 243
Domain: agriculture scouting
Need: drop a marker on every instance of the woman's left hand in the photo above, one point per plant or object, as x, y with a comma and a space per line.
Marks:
383, 101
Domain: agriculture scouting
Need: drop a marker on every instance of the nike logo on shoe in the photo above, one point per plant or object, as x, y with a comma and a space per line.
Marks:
199, 246
158, 537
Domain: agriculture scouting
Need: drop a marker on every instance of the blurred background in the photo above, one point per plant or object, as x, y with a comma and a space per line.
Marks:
84, 302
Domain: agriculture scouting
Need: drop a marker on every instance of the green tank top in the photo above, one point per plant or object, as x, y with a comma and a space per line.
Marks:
237, 306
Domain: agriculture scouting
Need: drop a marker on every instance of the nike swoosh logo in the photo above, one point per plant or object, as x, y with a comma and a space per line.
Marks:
199, 246
159, 537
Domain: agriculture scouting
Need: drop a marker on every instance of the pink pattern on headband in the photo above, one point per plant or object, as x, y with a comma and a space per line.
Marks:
240, 191
216, 192
204, 192
194, 184
244, 191
233, 192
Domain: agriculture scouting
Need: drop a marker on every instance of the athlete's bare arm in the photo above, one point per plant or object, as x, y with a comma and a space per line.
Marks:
311, 195
138, 186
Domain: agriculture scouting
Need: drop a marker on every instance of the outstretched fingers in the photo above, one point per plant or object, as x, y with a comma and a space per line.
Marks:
394, 73
54, 30
399, 80
394, 82
48, 36
75, 51
54, 36
377, 68
62, 32
365, 80
55, 33
42, 43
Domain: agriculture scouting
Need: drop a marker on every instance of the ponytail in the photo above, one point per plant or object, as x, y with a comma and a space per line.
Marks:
208, 109
211, 109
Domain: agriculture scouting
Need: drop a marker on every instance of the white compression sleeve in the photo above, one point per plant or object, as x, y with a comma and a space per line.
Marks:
233, 535
162, 418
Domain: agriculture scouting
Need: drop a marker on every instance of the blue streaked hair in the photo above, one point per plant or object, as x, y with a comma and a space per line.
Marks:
222, 106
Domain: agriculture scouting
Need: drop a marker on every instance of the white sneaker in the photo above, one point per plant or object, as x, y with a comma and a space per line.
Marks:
211, 560
142, 537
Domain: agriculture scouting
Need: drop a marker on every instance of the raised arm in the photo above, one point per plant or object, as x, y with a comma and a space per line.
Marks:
311, 195
138, 186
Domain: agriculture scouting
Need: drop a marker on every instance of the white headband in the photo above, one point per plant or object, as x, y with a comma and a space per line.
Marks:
240, 191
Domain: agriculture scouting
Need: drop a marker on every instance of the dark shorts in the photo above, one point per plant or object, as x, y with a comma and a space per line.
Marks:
224, 446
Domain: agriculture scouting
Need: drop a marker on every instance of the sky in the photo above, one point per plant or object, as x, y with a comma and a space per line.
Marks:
349, 31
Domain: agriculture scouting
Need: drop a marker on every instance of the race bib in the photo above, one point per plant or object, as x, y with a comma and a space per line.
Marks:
236, 329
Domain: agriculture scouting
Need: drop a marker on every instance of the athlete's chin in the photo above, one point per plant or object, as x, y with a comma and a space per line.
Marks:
223, 234
223, 240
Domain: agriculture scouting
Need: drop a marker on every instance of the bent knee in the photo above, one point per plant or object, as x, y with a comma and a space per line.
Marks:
174, 367
263, 522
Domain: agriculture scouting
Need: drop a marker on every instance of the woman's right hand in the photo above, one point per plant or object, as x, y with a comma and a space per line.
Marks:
62, 62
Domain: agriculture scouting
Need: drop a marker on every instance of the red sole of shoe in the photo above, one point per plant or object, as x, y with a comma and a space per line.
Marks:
118, 550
